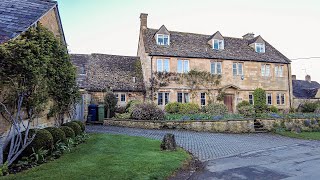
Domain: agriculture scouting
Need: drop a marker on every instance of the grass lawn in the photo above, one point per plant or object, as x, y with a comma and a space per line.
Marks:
302, 135
110, 157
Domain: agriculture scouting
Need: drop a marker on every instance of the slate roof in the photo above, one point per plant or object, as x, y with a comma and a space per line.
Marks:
192, 45
109, 71
16, 16
304, 89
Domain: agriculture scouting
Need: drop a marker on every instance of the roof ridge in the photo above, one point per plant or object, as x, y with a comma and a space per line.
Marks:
113, 55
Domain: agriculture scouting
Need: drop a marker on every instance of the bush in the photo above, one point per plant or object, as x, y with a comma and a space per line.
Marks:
317, 111
43, 139
81, 124
110, 102
74, 126
246, 111
68, 131
173, 107
216, 109
120, 110
123, 115
57, 134
243, 103
309, 107
259, 100
189, 108
131, 104
273, 109
147, 111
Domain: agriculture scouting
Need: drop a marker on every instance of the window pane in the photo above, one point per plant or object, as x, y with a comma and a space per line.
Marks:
221, 44
250, 98
123, 97
160, 39
166, 65
218, 67
160, 99
240, 70
186, 97
269, 99
234, 69
263, 73
215, 44
179, 95
282, 99
166, 98
179, 69
186, 66
159, 65
280, 71
166, 40
203, 99
278, 98
267, 70
213, 68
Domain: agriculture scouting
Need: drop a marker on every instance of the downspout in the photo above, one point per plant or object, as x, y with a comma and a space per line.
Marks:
289, 84
152, 95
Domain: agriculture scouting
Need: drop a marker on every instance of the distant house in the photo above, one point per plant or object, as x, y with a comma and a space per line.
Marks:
305, 91
98, 73
244, 64
17, 16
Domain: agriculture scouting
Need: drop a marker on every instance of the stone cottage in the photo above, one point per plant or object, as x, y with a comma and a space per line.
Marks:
17, 16
240, 64
305, 91
98, 73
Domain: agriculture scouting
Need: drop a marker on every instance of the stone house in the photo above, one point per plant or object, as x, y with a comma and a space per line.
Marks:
240, 64
97, 73
305, 91
17, 16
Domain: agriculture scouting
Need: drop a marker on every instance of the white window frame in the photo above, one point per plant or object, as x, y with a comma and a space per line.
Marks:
163, 36
261, 46
279, 99
278, 70
237, 68
251, 94
183, 97
220, 44
267, 96
124, 97
215, 67
183, 62
162, 62
203, 99
83, 70
163, 102
264, 70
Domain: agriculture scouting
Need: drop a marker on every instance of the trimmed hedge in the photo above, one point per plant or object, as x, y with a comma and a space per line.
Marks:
43, 139
74, 126
182, 108
68, 131
216, 109
57, 134
81, 124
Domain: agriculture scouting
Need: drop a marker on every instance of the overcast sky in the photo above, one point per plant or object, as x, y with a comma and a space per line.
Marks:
112, 26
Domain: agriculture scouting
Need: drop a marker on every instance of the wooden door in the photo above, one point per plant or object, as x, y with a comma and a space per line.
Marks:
228, 101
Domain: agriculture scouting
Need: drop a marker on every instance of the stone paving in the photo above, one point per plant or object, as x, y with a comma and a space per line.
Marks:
209, 146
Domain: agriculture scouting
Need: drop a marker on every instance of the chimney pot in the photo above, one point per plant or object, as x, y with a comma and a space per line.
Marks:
308, 78
294, 77
143, 21
248, 36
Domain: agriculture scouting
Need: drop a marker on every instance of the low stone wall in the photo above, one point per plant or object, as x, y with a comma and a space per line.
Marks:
226, 126
231, 126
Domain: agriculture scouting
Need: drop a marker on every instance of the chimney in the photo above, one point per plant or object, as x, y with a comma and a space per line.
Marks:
308, 78
143, 21
248, 36
294, 77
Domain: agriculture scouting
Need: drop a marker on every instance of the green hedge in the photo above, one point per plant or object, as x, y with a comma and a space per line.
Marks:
81, 124
57, 134
75, 127
68, 131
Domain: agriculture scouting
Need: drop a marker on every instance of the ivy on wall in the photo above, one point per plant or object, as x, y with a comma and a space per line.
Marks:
37, 64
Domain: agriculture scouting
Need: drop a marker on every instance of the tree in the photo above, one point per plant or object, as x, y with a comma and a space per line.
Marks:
110, 103
260, 105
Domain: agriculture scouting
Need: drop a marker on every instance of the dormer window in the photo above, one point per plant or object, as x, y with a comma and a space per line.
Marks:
218, 44
163, 39
260, 47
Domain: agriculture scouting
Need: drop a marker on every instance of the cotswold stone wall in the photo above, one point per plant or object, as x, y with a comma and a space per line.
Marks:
288, 124
232, 126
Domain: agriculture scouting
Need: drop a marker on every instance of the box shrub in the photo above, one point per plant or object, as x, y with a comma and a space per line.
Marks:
131, 104
259, 100
43, 139
215, 109
81, 124
189, 108
173, 107
57, 134
147, 111
273, 109
247, 111
74, 126
68, 131
243, 103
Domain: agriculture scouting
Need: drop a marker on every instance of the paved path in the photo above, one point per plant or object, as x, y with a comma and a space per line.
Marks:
240, 156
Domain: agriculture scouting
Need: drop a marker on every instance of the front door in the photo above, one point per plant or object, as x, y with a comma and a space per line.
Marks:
228, 101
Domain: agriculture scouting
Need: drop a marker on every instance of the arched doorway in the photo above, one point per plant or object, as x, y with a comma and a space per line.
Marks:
230, 92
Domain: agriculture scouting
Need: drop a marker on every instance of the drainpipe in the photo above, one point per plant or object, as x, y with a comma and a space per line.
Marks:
289, 84
152, 95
